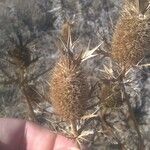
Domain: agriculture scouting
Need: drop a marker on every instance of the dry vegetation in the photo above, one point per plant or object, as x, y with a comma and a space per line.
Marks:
65, 65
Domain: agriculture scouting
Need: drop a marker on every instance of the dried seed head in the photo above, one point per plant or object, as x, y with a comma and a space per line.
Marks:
131, 38
111, 96
69, 89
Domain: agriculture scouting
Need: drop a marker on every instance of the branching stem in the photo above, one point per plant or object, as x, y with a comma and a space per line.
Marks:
126, 97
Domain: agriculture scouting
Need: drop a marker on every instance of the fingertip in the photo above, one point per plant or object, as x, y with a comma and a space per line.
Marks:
63, 143
39, 138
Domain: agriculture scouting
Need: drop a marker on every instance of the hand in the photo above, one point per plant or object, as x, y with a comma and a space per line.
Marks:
23, 135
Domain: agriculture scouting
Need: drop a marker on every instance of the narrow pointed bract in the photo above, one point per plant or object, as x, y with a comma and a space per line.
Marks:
89, 53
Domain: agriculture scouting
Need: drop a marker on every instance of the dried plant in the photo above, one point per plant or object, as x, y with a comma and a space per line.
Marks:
131, 37
96, 106
20, 57
113, 97
130, 45
69, 86
21, 27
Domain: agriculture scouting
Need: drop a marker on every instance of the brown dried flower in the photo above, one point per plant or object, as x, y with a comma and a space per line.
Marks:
131, 38
69, 87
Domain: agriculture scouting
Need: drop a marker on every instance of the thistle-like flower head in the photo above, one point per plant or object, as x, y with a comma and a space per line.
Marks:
69, 87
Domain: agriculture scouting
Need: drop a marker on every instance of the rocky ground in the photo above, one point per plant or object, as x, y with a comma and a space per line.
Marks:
95, 20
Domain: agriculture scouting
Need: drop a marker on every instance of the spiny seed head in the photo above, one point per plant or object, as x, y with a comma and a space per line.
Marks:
131, 39
110, 95
69, 89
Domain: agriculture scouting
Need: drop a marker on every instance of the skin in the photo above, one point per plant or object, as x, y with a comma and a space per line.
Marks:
18, 134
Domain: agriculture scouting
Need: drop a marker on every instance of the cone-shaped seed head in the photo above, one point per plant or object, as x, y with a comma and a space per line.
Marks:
69, 89
131, 39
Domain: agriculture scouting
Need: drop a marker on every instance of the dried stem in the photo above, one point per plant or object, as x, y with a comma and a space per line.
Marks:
7, 74
6, 82
140, 143
33, 78
32, 115
74, 128
75, 132
111, 130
